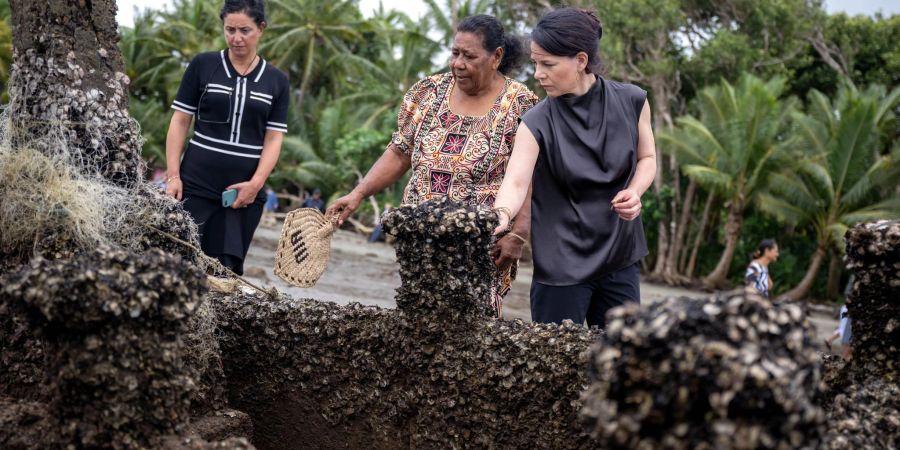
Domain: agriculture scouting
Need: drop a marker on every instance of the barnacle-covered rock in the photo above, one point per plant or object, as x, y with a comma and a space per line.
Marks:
873, 255
23, 424
731, 372
445, 269
112, 324
438, 372
864, 416
862, 398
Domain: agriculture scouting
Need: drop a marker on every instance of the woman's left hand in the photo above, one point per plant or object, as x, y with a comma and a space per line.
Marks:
246, 193
507, 250
627, 204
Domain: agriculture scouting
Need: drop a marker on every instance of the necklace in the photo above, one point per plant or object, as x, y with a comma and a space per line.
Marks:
247, 70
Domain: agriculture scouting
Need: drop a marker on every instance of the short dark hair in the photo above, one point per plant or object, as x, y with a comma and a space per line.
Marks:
256, 9
493, 37
568, 31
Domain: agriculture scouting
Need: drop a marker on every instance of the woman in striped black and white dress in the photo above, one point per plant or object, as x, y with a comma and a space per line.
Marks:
238, 104
757, 274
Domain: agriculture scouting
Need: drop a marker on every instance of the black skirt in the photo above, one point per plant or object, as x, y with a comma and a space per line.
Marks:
225, 233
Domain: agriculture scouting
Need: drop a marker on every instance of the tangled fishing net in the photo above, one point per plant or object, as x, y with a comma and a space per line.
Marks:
75, 204
57, 204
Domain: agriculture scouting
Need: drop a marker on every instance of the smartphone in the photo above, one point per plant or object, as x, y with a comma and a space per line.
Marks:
228, 197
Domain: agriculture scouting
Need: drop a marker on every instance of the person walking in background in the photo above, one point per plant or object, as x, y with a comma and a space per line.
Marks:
455, 131
271, 200
378, 231
757, 275
238, 104
588, 149
314, 201
844, 332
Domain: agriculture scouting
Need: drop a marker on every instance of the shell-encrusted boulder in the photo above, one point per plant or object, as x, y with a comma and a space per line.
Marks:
112, 323
873, 255
723, 373
444, 255
438, 372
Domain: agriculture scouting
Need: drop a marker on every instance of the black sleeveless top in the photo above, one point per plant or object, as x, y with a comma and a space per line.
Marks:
588, 153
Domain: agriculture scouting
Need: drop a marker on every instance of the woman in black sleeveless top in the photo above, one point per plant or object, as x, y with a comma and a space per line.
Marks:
588, 152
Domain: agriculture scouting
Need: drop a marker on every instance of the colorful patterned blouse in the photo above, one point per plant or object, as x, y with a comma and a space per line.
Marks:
463, 157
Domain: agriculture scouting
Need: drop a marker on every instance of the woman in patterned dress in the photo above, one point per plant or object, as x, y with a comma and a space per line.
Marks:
455, 131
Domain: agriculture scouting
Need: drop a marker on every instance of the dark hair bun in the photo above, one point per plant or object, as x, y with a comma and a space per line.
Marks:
493, 37
569, 31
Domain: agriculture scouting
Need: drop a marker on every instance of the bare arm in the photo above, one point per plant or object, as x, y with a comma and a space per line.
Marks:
271, 151
627, 203
178, 129
517, 180
386, 171
522, 224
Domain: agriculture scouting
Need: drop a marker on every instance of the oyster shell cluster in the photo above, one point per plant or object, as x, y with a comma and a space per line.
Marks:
729, 372
443, 253
862, 396
52, 93
873, 255
111, 322
437, 372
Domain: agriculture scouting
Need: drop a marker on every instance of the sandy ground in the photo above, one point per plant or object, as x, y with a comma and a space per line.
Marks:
366, 273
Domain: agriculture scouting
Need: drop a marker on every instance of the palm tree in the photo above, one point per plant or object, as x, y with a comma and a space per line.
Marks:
160, 44
307, 35
838, 181
738, 140
446, 17
397, 54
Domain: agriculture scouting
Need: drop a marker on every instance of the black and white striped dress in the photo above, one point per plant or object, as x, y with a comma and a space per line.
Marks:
758, 277
232, 114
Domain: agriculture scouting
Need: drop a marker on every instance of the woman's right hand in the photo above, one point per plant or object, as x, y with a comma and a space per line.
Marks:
173, 188
344, 206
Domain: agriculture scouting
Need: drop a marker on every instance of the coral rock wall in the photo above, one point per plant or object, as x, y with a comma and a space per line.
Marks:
873, 254
437, 372
731, 372
111, 322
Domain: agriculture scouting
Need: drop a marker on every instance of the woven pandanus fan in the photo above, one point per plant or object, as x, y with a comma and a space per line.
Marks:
304, 246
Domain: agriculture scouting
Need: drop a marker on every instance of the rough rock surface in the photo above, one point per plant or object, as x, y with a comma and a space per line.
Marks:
112, 324
873, 254
733, 372
862, 397
438, 372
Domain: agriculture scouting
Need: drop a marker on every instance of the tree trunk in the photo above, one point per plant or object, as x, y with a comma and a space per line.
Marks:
454, 15
68, 80
376, 219
833, 286
661, 117
800, 291
671, 267
717, 278
701, 233
307, 70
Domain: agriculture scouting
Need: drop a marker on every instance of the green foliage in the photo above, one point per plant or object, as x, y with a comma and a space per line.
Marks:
803, 176
739, 137
359, 149
5, 48
840, 178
